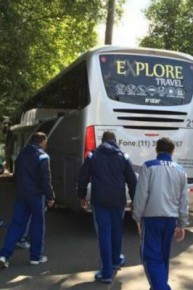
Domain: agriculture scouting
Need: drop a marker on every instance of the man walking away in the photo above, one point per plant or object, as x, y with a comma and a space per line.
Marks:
109, 171
33, 186
160, 209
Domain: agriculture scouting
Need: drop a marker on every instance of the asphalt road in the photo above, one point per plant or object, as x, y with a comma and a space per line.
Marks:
72, 251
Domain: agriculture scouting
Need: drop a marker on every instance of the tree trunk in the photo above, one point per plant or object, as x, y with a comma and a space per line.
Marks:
110, 22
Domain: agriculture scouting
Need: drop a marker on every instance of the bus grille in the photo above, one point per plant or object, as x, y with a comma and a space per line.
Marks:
149, 112
143, 119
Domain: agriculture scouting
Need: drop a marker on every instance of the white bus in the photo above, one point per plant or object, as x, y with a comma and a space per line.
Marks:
139, 94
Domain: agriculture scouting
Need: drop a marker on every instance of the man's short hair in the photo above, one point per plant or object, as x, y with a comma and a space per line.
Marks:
38, 137
165, 145
108, 136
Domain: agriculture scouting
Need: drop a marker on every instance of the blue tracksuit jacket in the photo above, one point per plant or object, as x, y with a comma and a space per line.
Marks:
32, 173
109, 171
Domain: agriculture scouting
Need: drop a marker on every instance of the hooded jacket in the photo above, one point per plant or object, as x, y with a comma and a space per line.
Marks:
32, 173
108, 171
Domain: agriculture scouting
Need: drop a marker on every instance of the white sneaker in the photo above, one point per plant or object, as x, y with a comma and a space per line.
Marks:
23, 245
43, 259
2, 224
4, 262
122, 262
98, 277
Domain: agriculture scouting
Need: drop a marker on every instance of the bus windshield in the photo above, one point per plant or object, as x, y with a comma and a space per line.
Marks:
147, 80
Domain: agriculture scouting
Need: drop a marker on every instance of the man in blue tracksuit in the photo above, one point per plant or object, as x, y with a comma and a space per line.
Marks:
109, 171
33, 187
160, 209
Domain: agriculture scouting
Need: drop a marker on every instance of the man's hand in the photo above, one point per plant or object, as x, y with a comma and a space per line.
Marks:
179, 234
139, 228
51, 202
84, 203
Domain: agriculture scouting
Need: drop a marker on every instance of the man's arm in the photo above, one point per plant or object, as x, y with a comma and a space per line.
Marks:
182, 221
46, 180
84, 179
141, 194
131, 179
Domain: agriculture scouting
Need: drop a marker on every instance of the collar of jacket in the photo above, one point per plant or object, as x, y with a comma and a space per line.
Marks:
164, 156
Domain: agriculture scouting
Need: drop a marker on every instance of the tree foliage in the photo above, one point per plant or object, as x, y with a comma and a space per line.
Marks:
37, 39
40, 37
171, 25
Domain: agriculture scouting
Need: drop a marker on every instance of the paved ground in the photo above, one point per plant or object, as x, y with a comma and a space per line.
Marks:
73, 257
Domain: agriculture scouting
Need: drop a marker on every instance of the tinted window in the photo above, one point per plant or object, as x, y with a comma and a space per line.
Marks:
67, 91
147, 80
46, 126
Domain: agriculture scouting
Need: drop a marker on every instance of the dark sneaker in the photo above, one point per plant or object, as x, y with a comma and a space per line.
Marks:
98, 277
4, 262
122, 263
43, 259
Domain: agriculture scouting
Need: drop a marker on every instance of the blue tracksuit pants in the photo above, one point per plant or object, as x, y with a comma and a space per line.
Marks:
24, 208
157, 234
109, 228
